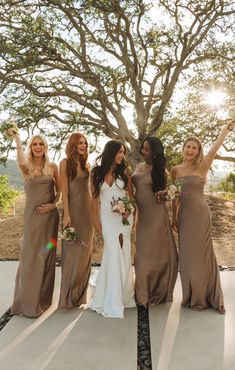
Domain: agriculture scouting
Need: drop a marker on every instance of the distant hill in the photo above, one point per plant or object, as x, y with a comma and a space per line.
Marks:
13, 172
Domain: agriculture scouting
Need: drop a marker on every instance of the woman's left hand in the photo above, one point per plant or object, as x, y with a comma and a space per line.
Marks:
44, 208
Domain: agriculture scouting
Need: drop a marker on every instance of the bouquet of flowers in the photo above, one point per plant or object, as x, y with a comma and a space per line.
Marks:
6, 126
124, 207
69, 234
172, 192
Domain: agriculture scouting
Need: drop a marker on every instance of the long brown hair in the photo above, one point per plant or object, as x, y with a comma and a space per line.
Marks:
72, 155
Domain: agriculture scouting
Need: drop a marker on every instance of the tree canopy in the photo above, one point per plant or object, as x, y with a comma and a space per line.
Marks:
110, 67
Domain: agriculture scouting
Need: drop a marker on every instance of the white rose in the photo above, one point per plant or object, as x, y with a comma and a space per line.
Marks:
172, 189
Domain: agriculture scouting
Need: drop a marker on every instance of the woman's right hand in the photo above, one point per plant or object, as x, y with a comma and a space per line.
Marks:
11, 132
66, 221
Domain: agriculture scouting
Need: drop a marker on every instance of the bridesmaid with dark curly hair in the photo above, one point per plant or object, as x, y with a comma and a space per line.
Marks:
77, 206
156, 261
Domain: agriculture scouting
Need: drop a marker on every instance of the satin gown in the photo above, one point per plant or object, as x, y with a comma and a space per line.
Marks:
198, 266
156, 259
36, 272
76, 255
114, 288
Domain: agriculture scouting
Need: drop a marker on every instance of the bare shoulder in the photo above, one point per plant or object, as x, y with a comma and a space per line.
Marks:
139, 165
175, 171
63, 163
53, 165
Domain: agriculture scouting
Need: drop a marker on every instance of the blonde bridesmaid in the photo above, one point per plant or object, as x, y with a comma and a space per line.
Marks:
191, 218
76, 198
36, 272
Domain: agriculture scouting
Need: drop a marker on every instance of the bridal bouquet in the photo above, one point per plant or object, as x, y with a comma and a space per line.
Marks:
6, 126
124, 207
172, 192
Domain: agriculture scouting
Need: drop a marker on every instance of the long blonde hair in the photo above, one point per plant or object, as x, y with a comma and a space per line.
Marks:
30, 159
200, 155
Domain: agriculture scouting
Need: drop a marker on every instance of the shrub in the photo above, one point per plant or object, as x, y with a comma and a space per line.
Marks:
7, 194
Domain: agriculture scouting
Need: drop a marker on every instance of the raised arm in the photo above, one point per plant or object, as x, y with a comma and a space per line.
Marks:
217, 144
20, 152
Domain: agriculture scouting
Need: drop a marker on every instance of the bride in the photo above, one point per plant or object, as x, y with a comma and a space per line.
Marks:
114, 286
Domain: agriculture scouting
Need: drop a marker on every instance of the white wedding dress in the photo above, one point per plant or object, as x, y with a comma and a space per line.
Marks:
114, 288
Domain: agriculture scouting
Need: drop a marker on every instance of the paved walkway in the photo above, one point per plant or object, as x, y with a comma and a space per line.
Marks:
181, 339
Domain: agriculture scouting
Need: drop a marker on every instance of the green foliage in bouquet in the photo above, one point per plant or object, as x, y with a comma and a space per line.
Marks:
6, 126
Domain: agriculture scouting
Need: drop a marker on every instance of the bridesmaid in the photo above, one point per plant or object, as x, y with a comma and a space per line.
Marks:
36, 272
191, 218
156, 254
76, 199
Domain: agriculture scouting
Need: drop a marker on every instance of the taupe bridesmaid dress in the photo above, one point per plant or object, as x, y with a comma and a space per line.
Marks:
76, 257
198, 267
156, 260
36, 272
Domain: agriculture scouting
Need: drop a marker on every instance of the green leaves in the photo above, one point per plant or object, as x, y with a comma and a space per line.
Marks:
104, 64
7, 195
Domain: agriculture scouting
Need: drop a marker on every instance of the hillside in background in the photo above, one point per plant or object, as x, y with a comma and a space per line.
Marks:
13, 172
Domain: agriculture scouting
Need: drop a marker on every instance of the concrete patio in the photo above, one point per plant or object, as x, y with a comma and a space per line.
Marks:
181, 339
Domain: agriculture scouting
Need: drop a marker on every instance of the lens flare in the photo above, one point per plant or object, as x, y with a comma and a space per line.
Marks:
215, 98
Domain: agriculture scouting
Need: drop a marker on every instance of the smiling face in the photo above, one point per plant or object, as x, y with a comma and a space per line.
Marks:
146, 151
38, 147
119, 156
82, 146
191, 151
